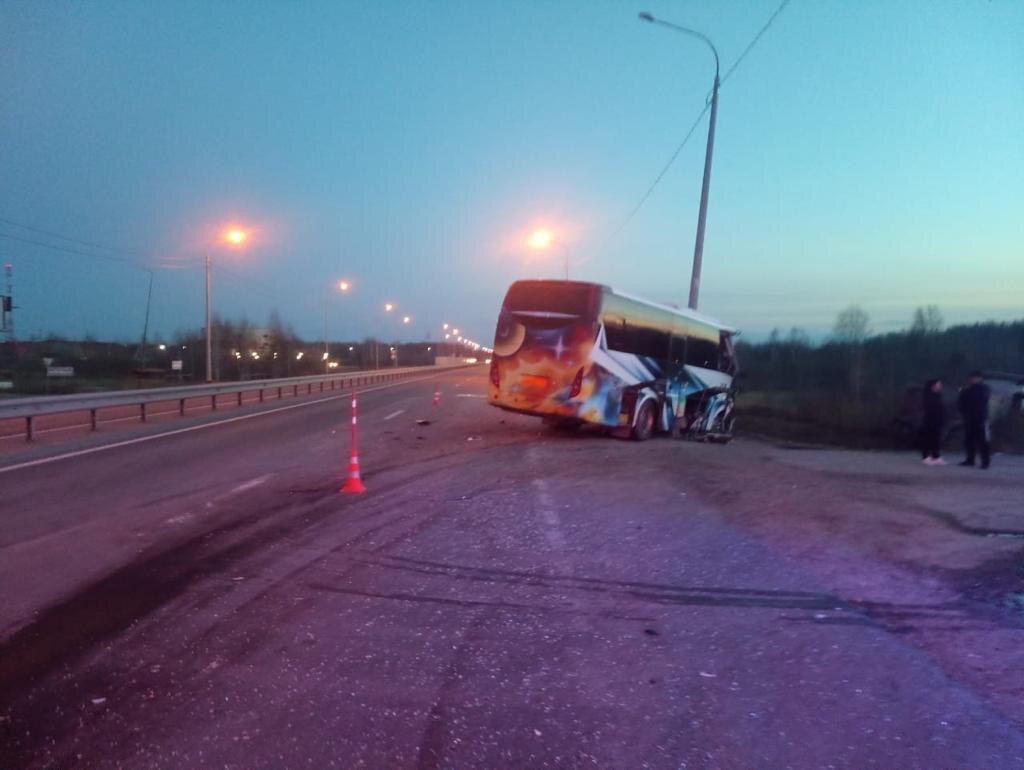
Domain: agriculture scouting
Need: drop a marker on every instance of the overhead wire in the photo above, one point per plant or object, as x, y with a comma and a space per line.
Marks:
707, 106
67, 250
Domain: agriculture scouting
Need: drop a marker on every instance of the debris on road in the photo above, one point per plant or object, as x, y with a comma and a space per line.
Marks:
423, 422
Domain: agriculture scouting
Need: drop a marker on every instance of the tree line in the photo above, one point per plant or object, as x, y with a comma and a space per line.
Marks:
859, 380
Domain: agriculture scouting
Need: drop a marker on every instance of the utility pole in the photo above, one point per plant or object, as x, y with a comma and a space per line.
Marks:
698, 248
327, 352
145, 325
209, 329
7, 304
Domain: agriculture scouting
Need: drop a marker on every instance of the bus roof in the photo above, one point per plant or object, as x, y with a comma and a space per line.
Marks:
693, 315
680, 312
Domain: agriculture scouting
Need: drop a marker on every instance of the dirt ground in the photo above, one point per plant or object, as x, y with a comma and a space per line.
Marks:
935, 554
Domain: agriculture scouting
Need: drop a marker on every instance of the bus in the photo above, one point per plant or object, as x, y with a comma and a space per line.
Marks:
578, 353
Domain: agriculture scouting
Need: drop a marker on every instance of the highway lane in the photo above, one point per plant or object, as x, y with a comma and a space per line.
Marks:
96, 510
503, 597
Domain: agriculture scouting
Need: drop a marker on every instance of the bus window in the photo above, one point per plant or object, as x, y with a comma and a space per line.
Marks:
677, 352
539, 297
702, 353
727, 356
640, 341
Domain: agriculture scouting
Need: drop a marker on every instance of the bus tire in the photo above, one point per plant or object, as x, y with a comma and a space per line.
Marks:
643, 426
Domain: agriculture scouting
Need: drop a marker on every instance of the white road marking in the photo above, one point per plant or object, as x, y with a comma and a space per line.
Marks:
204, 426
471, 395
393, 415
250, 484
553, 524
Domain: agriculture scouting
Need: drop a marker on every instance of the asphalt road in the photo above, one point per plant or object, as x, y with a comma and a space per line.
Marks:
502, 597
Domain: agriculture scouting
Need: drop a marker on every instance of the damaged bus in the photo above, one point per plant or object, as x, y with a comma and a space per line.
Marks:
583, 353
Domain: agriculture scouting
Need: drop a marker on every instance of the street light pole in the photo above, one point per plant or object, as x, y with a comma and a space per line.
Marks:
209, 331
698, 248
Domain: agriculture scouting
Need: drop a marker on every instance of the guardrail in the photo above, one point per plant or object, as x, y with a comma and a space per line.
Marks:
37, 406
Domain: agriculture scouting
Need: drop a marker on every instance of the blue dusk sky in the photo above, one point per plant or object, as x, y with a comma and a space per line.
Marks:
866, 152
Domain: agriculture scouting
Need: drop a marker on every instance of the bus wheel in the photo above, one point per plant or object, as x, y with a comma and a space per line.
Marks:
643, 428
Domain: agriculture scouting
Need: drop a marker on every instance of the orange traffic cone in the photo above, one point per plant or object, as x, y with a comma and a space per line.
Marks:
437, 397
353, 483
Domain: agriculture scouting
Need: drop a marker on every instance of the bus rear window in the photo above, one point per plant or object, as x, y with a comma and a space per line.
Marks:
555, 297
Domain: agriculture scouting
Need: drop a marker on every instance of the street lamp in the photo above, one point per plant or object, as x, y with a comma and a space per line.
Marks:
343, 287
235, 237
698, 249
542, 239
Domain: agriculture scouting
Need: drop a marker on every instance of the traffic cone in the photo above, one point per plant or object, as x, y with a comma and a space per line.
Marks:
437, 396
353, 483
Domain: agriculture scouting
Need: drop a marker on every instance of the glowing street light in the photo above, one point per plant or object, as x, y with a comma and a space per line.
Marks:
343, 287
388, 307
444, 326
541, 239
406, 319
236, 237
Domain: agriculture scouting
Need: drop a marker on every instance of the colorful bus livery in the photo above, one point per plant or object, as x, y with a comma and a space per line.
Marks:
574, 353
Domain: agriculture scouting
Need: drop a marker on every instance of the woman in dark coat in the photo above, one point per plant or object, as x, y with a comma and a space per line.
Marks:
932, 420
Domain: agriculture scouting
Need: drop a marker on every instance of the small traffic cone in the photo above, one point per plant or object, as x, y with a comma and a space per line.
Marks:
437, 396
353, 482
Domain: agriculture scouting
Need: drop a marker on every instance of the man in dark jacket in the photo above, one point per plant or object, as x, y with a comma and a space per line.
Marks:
973, 405
933, 415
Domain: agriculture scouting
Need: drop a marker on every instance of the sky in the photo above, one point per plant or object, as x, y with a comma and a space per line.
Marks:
866, 153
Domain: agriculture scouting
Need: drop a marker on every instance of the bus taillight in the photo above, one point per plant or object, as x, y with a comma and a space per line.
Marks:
577, 384
495, 378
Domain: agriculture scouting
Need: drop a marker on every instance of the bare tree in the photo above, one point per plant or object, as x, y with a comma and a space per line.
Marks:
927, 320
851, 325
851, 328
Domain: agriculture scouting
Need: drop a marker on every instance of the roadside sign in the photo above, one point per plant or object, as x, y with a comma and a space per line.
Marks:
176, 365
60, 371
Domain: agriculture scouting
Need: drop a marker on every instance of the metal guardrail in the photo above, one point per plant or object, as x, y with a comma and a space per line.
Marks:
36, 406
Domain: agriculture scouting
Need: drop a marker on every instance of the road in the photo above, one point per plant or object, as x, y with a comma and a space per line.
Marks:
504, 596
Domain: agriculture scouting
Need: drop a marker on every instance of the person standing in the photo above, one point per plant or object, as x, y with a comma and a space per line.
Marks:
973, 406
932, 420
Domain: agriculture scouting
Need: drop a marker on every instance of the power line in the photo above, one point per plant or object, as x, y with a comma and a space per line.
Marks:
661, 174
753, 42
67, 250
696, 122
70, 239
